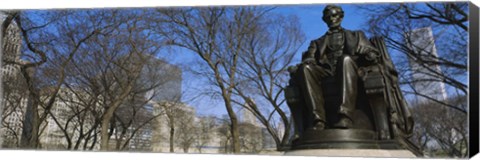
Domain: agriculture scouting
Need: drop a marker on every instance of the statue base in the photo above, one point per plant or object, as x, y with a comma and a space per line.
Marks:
352, 153
339, 140
342, 139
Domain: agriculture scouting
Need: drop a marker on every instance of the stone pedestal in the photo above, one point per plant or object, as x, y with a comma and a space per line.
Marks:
352, 153
350, 143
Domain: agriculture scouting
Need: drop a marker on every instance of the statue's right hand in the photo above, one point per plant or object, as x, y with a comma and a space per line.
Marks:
292, 69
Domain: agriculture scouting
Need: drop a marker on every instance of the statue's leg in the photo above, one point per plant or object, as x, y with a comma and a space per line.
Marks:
310, 86
349, 76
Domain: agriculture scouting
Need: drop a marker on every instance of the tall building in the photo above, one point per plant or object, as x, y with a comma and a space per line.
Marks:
11, 52
13, 98
249, 117
169, 78
68, 116
422, 42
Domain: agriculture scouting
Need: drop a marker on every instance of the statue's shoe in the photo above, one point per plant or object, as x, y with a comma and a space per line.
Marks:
319, 126
344, 123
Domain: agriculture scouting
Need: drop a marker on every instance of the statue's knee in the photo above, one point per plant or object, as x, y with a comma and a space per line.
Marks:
347, 59
348, 62
306, 67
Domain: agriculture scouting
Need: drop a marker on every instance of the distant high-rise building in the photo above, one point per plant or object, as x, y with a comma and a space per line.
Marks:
13, 98
249, 117
422, 42
170, 80
11, 51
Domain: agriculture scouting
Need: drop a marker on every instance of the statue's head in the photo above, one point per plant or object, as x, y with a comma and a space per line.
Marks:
333, 16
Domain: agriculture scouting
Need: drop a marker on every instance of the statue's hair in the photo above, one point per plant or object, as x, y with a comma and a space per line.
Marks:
330, 7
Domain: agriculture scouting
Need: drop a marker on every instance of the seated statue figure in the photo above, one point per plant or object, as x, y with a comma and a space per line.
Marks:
346, 85
336, 55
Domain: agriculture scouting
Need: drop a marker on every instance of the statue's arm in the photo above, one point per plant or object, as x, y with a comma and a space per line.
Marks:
366, 49
308, 56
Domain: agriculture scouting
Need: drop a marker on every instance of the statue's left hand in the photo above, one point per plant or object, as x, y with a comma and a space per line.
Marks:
372, 57
369, 53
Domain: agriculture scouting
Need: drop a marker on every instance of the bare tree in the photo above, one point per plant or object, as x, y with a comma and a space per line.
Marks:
217, 35
76, 25
440, 122
40, 30
448, 21
263, 72
12, 111
225, 135
126, 51
198, 30
158, 83
130, 118
106, 48
185, 135
204, 132
76, 116
251, 138
179, 119
441, 131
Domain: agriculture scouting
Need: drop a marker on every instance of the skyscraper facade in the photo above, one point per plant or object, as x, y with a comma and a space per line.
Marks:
13, 98
421, 41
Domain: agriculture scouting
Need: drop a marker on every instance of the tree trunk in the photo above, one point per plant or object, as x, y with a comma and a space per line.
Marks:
172, 133
1, 84
105, 137
95, 138
31, 126
233, 126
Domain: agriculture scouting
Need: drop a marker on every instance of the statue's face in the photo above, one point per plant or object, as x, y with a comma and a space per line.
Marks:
333, 18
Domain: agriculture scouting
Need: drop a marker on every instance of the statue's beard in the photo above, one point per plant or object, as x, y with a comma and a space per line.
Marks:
335, 24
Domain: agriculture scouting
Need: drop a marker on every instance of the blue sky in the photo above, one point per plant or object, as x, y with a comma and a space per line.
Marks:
312, 25
311, 19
